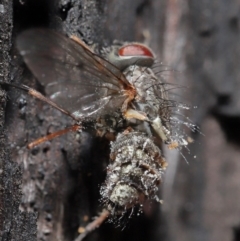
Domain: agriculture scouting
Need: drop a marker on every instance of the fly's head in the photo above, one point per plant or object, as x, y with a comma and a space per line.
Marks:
124, 55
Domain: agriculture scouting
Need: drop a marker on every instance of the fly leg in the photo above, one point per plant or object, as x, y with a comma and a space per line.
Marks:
53, 135
93, 225
139, 115
41, 97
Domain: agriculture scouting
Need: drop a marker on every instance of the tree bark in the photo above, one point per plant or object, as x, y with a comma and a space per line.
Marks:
14, 224
204, 203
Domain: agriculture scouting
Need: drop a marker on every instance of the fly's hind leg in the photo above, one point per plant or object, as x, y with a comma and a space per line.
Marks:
96, 223
52, 136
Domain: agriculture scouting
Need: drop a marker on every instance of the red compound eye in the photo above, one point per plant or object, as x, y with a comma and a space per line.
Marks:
135, 50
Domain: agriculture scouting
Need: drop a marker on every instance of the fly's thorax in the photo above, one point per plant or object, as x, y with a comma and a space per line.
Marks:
134, 174
145, 82
152, 99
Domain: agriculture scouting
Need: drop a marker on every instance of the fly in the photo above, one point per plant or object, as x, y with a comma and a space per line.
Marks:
121, 95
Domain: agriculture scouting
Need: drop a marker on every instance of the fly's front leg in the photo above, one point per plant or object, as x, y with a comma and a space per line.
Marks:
129, 113
134, 114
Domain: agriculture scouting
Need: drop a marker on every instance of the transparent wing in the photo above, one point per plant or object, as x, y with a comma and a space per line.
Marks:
75, 78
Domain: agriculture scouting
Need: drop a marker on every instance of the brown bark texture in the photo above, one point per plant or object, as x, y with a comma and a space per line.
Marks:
48, 192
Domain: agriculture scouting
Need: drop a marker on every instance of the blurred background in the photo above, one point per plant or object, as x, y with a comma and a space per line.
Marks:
61, 179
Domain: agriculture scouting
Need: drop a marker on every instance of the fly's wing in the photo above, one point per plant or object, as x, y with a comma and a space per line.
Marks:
75, 78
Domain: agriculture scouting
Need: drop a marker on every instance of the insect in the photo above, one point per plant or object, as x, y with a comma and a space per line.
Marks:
119, 95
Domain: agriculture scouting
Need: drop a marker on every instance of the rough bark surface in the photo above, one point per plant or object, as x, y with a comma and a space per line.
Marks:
50, 191
205, 197
14, 224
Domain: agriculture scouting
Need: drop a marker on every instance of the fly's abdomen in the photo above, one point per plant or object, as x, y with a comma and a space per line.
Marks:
134, 173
